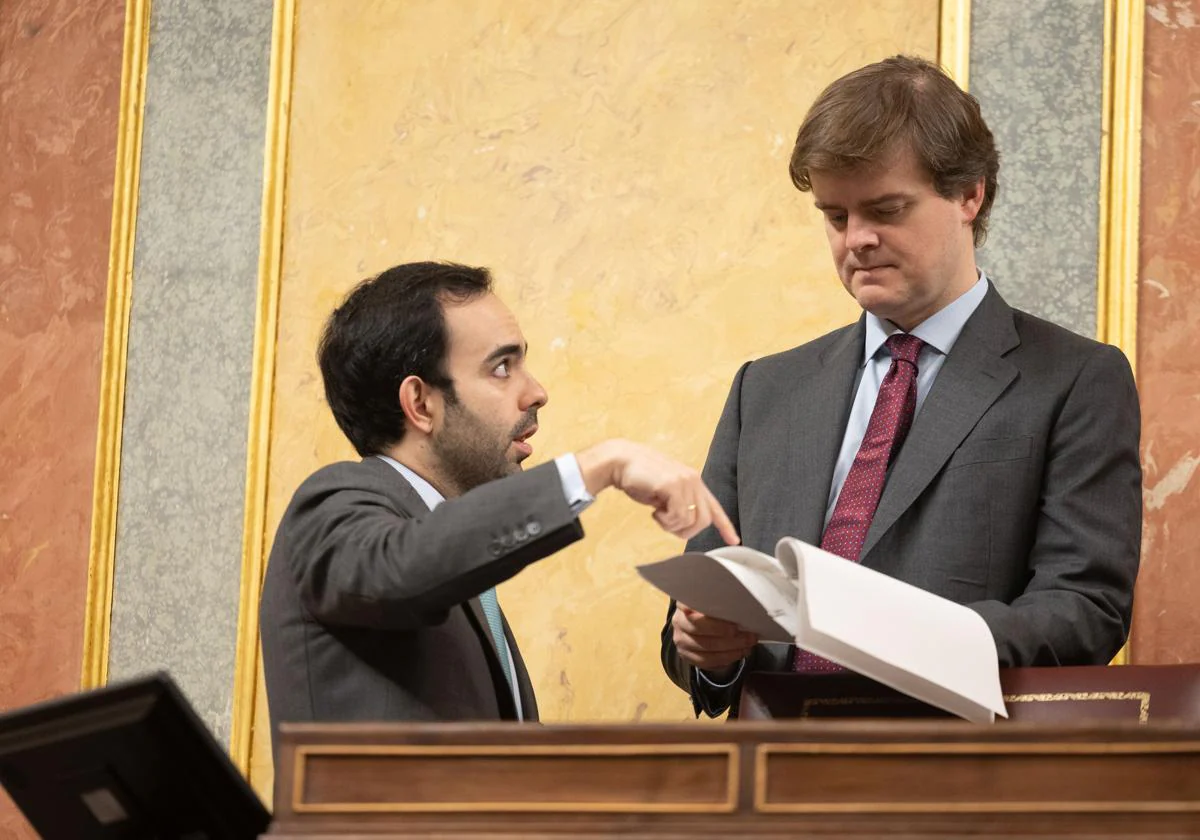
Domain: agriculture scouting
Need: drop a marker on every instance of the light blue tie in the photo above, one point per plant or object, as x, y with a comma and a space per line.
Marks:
491, 609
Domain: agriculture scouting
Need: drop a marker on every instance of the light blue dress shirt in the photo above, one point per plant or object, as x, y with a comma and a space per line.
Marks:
939, 332
574, 491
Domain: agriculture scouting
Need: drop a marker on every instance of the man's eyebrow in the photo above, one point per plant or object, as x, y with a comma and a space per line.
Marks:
500, 352
883, 199
895, 196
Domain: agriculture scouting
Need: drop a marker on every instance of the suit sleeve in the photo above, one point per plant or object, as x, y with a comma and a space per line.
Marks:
1077, 605
358, 560
720, 475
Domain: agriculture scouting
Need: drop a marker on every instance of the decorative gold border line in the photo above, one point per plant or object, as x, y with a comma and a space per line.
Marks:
262, 382
1120, 183
954, 39
1120, 174
811, 703
983, 748
764, 751
97, 621
1048, 807
1142, 698
728, 806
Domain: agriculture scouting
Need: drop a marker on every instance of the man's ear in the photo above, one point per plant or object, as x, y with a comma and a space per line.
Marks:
422, 404
973, 200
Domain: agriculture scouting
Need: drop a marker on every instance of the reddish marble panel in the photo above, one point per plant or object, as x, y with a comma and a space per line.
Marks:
1166, 625
60, 75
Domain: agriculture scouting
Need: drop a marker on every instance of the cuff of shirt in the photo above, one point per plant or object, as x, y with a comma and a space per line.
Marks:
574, 490
736, 676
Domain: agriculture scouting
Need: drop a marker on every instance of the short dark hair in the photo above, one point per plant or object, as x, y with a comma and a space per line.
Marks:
391, 326
869, 114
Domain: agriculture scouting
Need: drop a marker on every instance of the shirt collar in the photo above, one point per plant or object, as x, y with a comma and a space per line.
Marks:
939, 330
431, 497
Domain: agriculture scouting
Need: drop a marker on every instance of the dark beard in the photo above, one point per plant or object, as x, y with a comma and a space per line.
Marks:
469, 453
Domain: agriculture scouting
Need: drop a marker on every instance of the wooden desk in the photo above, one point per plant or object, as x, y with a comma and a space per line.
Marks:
764, 779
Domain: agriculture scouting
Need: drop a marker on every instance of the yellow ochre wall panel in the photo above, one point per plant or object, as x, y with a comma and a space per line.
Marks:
621, 166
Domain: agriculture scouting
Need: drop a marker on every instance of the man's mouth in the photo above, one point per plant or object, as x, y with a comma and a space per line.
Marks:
521, 441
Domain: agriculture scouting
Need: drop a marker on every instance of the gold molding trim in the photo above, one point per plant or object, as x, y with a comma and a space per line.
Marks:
939, 748
1120, 183
811, 703
763, 753
727, 806
1142, 698
97, 622
262, 380
1120, 174
954, 39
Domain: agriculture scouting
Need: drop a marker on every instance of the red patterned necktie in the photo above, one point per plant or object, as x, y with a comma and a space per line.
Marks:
855, 508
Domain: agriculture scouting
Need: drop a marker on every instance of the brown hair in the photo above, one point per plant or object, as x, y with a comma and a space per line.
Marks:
867, 115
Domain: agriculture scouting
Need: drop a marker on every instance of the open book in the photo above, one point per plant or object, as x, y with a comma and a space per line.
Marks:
935, 650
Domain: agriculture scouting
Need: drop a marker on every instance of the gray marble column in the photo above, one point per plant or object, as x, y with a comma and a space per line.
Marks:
179, 535
1036, 67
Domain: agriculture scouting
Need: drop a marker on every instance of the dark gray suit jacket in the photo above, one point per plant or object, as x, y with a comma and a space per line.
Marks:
1017, 491
370, 607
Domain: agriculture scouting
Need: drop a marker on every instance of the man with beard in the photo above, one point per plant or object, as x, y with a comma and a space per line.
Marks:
379, 601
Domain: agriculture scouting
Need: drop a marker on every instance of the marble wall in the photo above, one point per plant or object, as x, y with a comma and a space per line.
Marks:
191, 337
633, 200
1036, 67
622, 192
1166, 625
60, 75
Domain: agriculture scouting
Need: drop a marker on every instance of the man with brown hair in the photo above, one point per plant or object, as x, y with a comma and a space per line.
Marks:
945, 438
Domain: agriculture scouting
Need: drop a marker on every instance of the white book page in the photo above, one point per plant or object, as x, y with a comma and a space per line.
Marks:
764, 578
912, 640
735, 584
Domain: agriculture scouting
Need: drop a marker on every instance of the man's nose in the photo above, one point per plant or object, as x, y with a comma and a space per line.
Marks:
860, 235
535, 395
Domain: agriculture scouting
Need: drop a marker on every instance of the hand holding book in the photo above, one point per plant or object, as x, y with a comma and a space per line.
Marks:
711, 644
912, 640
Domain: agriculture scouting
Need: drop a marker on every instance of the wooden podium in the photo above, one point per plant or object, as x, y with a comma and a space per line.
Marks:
814, 778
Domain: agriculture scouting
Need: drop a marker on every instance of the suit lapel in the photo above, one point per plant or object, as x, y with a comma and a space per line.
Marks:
529, 709
474, 609
973, 377
408, 499
820, 408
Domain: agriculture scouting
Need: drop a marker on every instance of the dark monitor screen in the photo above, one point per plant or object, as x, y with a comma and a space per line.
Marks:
127, 761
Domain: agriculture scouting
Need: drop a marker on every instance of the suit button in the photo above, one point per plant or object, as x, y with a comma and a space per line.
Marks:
520, 535
533, 528
496, 549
